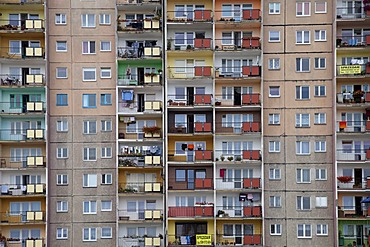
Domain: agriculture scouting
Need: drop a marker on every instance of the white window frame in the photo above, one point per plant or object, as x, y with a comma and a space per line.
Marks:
318, 11
61, 233
106, 125
89, 207
88, 158
300, 119
274, 40
102, 45
59, 74
105, 154
58, 48
304, 6
274, 146
301, 201
60, 19
275, 229
299, 148
62, 125
274, 63
300, 63
303, 40
87, 128
61, 178
107, 228
304, 226
274, 118
321, 202
318, 63
318, 116
320, 146
106, 178
90, 231
88, 70
62, 153
275, 201
274, 8
105, 73
90, 180
301, 178
318, 90
274, 96
319, 174
320, 35
91, 47
62, 206
274, 174
322, 230
300, 96
106, 209
104, 19
85, 21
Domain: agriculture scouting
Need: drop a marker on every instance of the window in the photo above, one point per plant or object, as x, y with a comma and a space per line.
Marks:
320, 146
62, 179
348, 203
106, 232
228, 230
89, 127
131, 206
274, 174
89, 100
62, 100
90, 180
227, 93
274, 36
89, 74
106, 125
274, 146
320, 91
303, 175
106, 206
14, 47
62, 233
275, 202
104, 19
62, 153
302, 64
274, 118
89, 207
274, 91
320, 174
304, 231
106, 152
320, 7
320, 35
302, 92
105, 46
61, 72
106, 178
322, 230
60, 19
274, 8
303, 203
303, 9
88, 20
88, 47
303, 147
105, 72
105, 99
320, 63
89, 234
321, 202
302, 37
62, 206
302, 120
274, 63
320, 118
62, 125
89, 154
275, 229
180, 93
61, 46
180, 176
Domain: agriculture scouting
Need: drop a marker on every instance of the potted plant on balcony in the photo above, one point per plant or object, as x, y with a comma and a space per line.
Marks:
357, 95
151, 131
345, 179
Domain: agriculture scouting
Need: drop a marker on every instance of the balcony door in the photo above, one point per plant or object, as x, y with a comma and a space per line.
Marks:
358, 177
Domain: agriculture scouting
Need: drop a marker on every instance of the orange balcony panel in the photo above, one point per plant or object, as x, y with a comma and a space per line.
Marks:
246, 99
256, 211
367, 125
255, 14
207, 183
198, 127
256, 183
247, 126
247, 183
198, 211
246, 70
207, 99
255, 70
202, 15
247, 211
246, 43
368, 211
255, 155
247, 154
368, 39
198, 71
255, 99
203, 155
248, 239
367, 183
255, 42
208, 211
207, 71
255, 127
181, 212
202, 43
367, 97
203, 183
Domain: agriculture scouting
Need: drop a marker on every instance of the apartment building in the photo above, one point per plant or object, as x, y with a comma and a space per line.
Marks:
184, 123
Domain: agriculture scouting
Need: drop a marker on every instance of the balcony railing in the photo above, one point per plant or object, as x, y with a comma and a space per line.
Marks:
238, 211
191, 212
21, 53
144, 187
19, 80
242, 240
237, 155
238, 183
353, 154
348, 98
238, 127
235, 16
143, 52
141, 133
139, 25
353, 70
35, 217
19, 107
353, 211
351, 41
191, 184
190, 128
119, 2
140, 161
238, 44
18, 190
144, 214
201, 239
191, 156
145, 79
239, 72
351, 13
353, 126
22, 161
364, 183
190, 44
22, 1
230, 100
22, 135
27, 24
128, 106
184, 100
132, 241
26, 242
198, 15
190, 72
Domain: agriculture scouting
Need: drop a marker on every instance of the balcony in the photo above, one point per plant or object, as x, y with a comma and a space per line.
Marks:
191, 184
22, 135
22, 80
29, 217
350, 98
23, 162
190, 44
238, 155
22, 2
187, 100
238, 184
238, 44
353, 212
147, 79
237, 16
134, 241
191, 128
145, 187
140, 2
146, 132
147, 215
22, 53
149, 161
131, 107
191, 212
353, 41
348, 13
242, 240
148, 25
352, 126
22, 25
239, 72
353, 154
20, 190
229, 100
353, 70
135, 53
201, 239
238, 128
239, 212
19, 108
199, 15
190, 72
355, 184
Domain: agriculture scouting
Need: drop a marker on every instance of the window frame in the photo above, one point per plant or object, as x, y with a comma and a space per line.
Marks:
321, 12
85, 21
59, 20
89, 207
304, 226
62, 125
299, 149
301, 172
106, 210
105, 179
303, 9
61, 99
106, 237
303, 37
300, 201
87, 150
318, 174
273, 174
90, 47
277, 229
319, 202
58, 70
86, 70
105, 70
274, 96
318, 61
105, 156
320, 34
274, 40
300, 65
274, 146
90, 230
57, 46
318, 91
275, 201
61, 233
61, 150
90, 180
300, 120
320, 150
86, 99
101, 45
318, 118
61, 178
105, 99
106, 125
272, 117
62, 206
102, 21
299, 92
275, 11
275, 62
87, 127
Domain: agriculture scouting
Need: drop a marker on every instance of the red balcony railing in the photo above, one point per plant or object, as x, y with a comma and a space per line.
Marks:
237, 44
189, 72
202, 127
251, 70
251, 127
252, 240
251, 183
251, 155
203, 155
197, 211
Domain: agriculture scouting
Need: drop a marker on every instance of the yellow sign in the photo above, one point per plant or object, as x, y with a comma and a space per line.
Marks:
204, 239
349, 69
